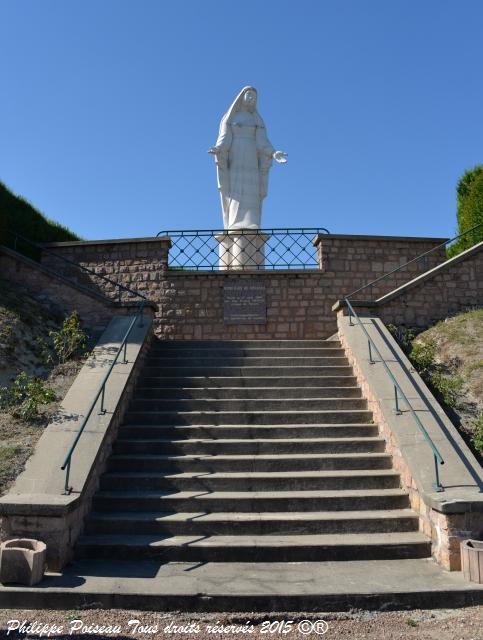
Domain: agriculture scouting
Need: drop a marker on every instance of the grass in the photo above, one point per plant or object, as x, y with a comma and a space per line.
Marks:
10, 457
449, 357
17, 215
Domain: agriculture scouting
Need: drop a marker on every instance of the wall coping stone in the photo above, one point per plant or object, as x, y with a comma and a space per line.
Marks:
80, 243
427, 275
350, 238
235, 273
38, 490
461, 475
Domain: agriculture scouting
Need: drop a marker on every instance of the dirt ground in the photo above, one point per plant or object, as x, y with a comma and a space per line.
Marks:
437, 624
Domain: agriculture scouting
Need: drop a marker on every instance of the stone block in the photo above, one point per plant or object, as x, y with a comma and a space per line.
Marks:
22, 560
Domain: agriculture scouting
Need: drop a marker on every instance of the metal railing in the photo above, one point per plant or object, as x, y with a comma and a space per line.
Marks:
421, 258
371, 346
41, 249
398, 394
253, 249
66, 466
100, 394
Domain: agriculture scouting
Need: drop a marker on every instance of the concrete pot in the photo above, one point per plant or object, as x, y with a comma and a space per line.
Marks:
22, 560
472, 560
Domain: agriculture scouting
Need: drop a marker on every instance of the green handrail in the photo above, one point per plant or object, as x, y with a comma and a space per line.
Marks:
100, 393
422, 256
398, 392
397, 389
102, 388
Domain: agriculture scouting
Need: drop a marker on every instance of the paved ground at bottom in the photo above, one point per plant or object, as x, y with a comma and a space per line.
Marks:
330, 586
437, 624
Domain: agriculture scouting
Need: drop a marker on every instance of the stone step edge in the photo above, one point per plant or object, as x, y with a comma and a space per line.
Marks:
336, 473
252, 495
294, 540
364, 440
242, 516
240, 456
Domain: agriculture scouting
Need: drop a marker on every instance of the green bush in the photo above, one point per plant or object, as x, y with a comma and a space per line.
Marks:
423, 355
23, 398
70, 340
448, 387
469, 193
19, 216
478, 433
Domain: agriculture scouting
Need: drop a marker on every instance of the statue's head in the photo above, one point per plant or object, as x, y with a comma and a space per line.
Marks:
249, 98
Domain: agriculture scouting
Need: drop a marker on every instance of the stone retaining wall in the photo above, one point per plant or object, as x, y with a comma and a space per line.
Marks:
47, 514
451, 288
448, 517
298, 302
456, 287
93, 309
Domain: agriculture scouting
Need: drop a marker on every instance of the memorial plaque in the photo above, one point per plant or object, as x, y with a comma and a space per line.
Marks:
245, 303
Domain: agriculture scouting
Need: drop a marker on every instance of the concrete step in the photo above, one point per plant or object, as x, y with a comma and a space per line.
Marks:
292, 523
341, 416
179, 345
253, 446
246, 405
251, 481
247, 371
251, 382
240, 352
241, 393
269, 548
156, 585
251, 501
188, 361
267, 462
238, 432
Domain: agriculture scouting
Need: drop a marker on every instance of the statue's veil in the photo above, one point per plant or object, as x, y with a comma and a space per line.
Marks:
234, 107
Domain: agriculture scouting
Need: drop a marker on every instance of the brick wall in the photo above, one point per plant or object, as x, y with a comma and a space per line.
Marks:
451, 289
359, 259
137, 263
298, 302
43, 285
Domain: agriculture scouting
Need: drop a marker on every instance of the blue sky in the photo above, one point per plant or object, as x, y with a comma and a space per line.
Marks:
107, 109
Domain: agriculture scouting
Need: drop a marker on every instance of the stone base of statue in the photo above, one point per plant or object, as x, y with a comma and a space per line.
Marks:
240, 251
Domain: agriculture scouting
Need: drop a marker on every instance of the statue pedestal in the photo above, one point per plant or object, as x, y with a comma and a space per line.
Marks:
241, 251
224, 251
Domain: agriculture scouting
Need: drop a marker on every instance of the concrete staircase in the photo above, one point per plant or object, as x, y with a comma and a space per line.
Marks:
249, 451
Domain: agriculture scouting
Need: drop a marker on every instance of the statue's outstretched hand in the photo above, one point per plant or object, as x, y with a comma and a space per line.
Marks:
213, 150
280, 157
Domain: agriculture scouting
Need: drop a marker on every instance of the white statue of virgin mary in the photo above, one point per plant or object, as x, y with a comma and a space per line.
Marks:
243, 156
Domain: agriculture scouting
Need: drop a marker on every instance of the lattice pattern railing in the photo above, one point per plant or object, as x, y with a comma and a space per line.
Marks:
219, 249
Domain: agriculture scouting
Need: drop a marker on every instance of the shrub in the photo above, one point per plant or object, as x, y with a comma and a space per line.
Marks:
478, 433
23, 398
70, 340
404, 336
448, 387
470, 209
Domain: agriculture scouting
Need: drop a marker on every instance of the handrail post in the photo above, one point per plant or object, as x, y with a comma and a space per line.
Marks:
125, 353
397, 410
67, 489
371, 360
102, 410
141, 319
437, 484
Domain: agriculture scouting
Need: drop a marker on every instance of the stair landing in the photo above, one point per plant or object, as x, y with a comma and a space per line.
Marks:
260, 586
